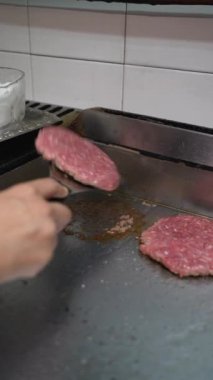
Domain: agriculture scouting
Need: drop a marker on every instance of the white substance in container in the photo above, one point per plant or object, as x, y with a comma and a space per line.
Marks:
12, 96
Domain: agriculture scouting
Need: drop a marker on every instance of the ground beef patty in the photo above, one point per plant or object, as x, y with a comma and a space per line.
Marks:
78, 157
182, 243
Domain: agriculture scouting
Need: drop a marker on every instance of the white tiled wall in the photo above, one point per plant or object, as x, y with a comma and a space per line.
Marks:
155, 65
14, 33
75, 82
174, 94
184, 43
77, 34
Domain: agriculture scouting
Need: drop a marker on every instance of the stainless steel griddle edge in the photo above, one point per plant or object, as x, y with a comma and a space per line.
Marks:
100, 310
168, 139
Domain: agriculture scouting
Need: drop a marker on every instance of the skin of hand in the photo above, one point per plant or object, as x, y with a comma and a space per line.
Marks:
29, 226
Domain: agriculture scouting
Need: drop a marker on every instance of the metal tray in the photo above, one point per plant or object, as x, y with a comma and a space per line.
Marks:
100, 310
34, 119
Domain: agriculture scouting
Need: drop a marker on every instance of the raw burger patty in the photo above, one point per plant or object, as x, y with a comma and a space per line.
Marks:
182, 243
78, 157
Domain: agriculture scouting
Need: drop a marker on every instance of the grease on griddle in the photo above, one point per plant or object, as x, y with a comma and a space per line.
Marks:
104, 217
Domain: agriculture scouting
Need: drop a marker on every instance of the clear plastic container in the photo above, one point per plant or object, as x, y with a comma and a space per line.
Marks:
12, 95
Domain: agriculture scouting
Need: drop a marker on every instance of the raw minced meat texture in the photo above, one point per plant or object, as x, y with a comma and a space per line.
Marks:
78, 157
182, 243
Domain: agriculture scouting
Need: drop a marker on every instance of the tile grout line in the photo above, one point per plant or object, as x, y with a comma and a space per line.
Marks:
124, 58
30, 49
138, 65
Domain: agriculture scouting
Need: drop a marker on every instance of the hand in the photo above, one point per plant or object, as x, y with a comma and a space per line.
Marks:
29, 225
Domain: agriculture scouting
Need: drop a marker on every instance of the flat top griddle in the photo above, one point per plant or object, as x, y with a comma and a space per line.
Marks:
100, 310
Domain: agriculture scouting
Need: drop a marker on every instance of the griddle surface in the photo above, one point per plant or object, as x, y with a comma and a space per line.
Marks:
102, 311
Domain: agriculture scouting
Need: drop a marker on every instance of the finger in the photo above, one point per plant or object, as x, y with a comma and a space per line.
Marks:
49, 188
61, 214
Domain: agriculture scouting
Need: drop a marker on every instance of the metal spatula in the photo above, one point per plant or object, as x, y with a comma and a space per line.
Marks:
69, 182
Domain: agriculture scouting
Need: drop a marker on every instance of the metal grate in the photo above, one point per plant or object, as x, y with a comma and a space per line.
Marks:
56, 110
